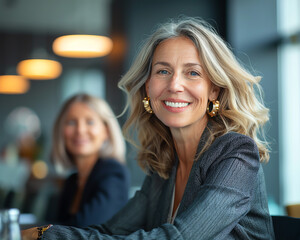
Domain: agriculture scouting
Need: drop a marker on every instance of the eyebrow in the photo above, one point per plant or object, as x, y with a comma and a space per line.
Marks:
162, 63
186, 65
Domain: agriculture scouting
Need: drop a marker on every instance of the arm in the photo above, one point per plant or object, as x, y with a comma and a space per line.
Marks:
104, 195
131, 218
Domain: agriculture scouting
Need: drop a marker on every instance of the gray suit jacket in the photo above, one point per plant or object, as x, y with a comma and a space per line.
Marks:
225, 198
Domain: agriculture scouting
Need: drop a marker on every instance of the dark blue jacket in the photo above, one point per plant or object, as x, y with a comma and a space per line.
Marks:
105, 193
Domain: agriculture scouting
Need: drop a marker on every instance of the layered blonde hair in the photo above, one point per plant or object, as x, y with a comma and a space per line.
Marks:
241, 106
114, 147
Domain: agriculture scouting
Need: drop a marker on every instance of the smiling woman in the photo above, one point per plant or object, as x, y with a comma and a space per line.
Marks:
84, 132
197, 118
178, 87
87, 137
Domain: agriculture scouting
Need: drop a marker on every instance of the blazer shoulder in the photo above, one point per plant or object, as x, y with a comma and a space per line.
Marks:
109, 166
231, 146
234, 140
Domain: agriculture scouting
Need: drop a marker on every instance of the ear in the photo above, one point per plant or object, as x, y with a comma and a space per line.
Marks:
214, 92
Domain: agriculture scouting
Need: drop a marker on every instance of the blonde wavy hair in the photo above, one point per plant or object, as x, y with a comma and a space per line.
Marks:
241, 106
114, 147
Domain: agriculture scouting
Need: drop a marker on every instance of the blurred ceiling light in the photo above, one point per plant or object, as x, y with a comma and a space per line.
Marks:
82, 46
39, 69
13, 84
39, 169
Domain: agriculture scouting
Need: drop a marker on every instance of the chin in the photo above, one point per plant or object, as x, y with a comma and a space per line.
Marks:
174, 124
82, 153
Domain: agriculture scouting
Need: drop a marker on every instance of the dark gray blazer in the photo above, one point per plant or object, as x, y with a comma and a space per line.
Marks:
225, 198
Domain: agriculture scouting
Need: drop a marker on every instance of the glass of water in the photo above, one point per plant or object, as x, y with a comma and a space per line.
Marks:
9, 224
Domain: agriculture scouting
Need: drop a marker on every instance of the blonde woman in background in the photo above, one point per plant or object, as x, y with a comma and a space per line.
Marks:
87, 138
197, 117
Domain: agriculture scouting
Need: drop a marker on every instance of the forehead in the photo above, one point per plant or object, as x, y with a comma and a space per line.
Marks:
182, 47
80, 108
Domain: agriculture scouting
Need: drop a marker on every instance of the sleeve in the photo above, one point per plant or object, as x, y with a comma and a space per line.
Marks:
223, 199
107, 195
130, 218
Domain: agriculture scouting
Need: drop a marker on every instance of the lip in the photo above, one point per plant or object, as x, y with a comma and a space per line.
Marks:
176, 100
175, 109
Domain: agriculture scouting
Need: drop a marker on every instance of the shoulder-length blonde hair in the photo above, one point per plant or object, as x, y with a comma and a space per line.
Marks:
241, 105
114, 147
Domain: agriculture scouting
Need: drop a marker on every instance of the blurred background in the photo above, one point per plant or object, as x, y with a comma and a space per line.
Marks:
263, 34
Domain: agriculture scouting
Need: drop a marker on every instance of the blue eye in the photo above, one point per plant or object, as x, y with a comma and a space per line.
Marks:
90, 122
71, 123
163, 72
193, 73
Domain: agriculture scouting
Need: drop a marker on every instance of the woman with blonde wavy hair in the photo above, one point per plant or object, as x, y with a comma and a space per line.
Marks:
87, 139
198, 115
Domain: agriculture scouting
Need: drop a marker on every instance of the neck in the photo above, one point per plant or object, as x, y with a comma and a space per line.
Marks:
186, 141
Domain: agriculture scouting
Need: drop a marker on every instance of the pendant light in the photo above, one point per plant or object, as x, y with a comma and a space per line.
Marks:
87, 38
10, 81
39, 69
82, 46
13, 84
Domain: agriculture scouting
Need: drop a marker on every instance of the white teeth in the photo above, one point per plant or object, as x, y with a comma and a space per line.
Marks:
176, 104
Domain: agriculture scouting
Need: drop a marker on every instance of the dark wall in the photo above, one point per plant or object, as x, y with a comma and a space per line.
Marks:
143, 16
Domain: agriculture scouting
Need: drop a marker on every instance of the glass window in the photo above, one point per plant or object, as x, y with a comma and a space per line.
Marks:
289, 94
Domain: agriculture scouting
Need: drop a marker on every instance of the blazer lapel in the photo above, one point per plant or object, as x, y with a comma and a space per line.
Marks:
164, 203
191, 190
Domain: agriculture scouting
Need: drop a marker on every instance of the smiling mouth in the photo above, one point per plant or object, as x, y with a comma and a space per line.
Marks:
80, 141
176, 104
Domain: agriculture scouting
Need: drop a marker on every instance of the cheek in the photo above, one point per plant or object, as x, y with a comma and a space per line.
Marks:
67, 132
67, 136
154, 89
99, 133
200, 92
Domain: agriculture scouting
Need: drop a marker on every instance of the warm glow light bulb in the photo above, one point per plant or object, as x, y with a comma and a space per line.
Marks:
13, 84
82, 46
39, 69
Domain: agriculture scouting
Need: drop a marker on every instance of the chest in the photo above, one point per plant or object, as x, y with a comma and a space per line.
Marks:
180, 185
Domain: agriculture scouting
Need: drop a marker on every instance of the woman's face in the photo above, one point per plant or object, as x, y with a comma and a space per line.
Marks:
84, 132
178, 87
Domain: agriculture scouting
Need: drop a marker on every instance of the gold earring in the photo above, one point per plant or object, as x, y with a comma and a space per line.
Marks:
213, 107
147, 106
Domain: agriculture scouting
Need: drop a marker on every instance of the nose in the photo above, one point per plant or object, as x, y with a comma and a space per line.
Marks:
175, 83
81, 127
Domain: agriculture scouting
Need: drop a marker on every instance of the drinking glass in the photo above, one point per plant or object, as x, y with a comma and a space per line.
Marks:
9, 224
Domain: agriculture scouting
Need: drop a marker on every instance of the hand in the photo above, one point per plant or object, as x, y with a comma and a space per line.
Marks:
29, 234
